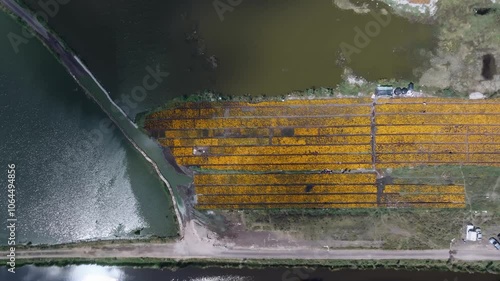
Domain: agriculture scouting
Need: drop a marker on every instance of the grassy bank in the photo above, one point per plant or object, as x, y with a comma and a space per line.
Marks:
406, 265
92, 243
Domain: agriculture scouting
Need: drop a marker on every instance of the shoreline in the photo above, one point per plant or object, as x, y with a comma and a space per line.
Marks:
490, 267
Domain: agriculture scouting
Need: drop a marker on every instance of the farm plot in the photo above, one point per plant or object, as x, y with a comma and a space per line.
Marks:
293, 154
278, 190
298, 135
433, 131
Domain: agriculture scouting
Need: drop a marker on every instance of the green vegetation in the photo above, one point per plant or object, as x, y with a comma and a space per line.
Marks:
100, 242
459, 24
408, 265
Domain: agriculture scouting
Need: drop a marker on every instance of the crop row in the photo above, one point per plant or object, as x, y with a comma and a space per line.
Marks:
362, 139
275, 150
275, 159
286, 179
451, 119
425, 198
284, 189
263, 141
421, 148
284, 206
437, 108
437, 129
288, 167
265, 132
286, 198
424, 189
221, 132
330, 206
428, 138
449, 148
183, 124
431, 100
423, 129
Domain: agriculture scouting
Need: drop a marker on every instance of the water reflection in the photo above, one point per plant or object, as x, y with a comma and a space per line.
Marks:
100, 273
74, 273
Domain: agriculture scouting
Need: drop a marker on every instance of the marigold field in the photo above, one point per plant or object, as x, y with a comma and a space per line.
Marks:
327, 153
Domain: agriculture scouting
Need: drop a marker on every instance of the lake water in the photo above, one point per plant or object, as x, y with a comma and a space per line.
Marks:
262, 46
66, 191
99, 273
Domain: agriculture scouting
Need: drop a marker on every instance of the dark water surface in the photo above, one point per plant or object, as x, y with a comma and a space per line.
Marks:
69, 186
261, 46
99, 273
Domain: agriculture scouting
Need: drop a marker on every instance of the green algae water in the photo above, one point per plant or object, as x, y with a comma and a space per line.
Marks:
267, 47
67, 191
278, 46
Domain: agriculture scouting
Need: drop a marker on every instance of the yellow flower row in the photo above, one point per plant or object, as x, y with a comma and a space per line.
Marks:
424, 189
268, 122
364, 139
332, 131
430, 100
284, 189
438, 108
278, 141
421, 148
283, 206
272, 150
425, 198
422, 129
273, 179
420, 138
484, 129
452, 119
217, 142
288, 167
275, 159
484, 148
282, 150
484, 138
488, 158
210, 133
265, 132
269, 199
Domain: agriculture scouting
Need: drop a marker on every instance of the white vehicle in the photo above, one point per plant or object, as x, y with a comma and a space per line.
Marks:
479, 233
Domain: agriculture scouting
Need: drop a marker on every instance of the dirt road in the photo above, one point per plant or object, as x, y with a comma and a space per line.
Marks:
176, 250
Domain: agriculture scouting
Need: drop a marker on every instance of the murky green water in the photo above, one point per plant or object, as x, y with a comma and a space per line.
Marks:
262, 46
277, 46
